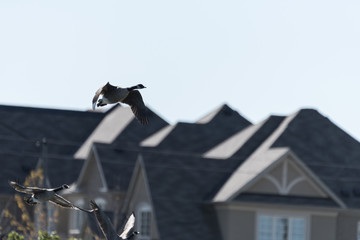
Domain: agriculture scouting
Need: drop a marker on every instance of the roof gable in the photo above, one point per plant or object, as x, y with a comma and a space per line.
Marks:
139, 195
286, 178
91, 177
276, 171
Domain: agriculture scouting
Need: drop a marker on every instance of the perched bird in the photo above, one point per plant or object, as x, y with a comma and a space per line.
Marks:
39, 195
131, 96
108, 229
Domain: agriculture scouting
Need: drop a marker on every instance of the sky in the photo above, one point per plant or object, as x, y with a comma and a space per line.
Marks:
260, 57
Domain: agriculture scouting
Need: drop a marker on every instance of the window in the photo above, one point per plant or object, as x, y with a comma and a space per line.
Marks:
358, 231
281, 228
144, 227
76, 219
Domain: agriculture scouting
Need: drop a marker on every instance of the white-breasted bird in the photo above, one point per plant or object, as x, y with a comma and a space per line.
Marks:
39, 195
108, 229
115, 94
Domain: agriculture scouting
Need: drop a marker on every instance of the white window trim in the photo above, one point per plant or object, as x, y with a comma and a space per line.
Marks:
144, 207
282, 213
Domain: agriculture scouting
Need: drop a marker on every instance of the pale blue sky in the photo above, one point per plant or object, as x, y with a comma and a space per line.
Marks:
261, 57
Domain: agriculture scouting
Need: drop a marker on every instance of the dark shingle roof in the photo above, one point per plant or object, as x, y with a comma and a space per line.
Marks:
18, 167
15, 167
134, 133
63, 170
332, 154
117, 164
267, 128
62, 127
180, 185
200, 137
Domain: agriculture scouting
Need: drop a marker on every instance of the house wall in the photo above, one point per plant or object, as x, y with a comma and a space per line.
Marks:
347, 225
234, 224
323, 227
236, 220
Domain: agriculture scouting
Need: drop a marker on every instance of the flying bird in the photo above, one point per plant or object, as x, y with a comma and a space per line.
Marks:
108, 229
114, 94
39, 195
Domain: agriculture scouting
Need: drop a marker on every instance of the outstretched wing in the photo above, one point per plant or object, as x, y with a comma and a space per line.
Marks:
104, 222
62, 202
29, 190
129, 227
106, 88
137, 105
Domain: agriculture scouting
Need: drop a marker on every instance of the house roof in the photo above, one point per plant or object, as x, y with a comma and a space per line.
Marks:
248, 171
244, 142
331, 153
18, 166
134, 133
201, 136
120, 127
326, 150
117, 165
65, 128
190, 219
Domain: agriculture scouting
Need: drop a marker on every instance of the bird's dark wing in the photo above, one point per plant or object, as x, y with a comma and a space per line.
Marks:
104, 222
29, 190
129, 227
106, 88
62, 202
137, 105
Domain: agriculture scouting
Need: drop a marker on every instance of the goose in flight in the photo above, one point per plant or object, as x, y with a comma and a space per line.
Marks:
131, 96
108, 229
39, 195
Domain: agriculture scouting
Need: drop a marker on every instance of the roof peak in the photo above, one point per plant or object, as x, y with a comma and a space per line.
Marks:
224, 110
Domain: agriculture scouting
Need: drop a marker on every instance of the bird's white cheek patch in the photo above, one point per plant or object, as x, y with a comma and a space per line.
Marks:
105, 100
36, 200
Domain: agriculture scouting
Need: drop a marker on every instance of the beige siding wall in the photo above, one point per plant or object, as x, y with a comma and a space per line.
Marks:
240, 222
347, 226
323, 227
235, 225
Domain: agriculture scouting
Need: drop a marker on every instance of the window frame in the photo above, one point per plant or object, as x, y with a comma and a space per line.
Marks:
144, 208
283, 214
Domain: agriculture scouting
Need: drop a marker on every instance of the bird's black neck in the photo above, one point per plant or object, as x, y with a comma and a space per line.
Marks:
132, 234
59, 188
132, 88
